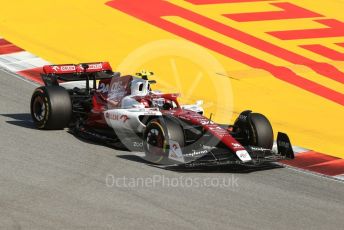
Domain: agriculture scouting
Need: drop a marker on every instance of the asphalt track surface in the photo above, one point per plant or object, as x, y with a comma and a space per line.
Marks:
52, 180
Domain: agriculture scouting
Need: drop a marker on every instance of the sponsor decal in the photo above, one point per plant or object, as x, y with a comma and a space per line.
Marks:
64, 68
68, 68
284, 144
124, 118
254, 148
197, 118
242, 117
217, 130
138, 144
95, 66
243, 155
103, 88
196, 153
205, 121
175, 152
148, 113
236, 145
175, 147
117, 117
117, 91
117, 86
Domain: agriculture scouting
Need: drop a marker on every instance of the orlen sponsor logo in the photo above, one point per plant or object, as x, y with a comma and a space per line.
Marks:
160, 12
64, 68
68, 68
95, 66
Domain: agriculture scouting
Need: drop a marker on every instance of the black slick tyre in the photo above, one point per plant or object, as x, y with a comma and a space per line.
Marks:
51, 107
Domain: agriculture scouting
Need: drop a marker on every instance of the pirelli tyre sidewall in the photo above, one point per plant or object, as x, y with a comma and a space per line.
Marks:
157, 134
254, 129
51, 107
262, 133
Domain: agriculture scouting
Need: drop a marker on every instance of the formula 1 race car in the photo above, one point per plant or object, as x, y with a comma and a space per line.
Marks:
98, 104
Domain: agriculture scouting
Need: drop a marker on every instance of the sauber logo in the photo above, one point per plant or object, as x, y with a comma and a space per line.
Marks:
159, 13
64, 68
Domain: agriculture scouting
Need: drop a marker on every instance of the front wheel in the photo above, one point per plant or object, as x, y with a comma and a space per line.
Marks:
51, 107
254, 129
263, 135
160, 133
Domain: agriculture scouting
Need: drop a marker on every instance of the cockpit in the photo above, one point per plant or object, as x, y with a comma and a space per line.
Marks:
132, 92
139, 87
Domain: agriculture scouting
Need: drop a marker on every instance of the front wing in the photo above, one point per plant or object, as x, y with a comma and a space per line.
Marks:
259, 156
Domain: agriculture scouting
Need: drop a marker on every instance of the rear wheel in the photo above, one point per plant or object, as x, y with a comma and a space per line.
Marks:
51, 107
157, 138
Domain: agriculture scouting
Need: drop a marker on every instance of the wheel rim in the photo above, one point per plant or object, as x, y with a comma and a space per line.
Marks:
155, 140
155, 143
39, 109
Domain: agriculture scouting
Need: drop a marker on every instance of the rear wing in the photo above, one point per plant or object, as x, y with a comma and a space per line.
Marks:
77, 72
